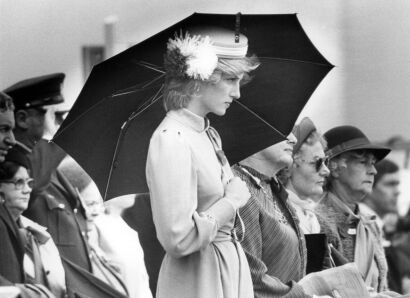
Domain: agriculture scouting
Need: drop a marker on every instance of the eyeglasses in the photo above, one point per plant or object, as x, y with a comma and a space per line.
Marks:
318, 163
20, 183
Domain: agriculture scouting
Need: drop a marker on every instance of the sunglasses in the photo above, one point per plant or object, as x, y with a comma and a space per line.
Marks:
20, 183
318, 163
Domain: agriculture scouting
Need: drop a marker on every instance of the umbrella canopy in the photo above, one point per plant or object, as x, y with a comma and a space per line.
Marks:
109, 127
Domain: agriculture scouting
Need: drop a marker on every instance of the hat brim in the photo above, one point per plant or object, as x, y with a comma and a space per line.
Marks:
379, 152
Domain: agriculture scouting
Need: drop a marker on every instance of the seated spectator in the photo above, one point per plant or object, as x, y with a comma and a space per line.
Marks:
12, 276
304, 181
41, 262
272, 240
306, 176
54, 202
117, 256
352, 170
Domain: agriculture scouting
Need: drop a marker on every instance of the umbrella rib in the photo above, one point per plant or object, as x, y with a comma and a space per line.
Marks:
295, 60
150, 66
136, 88
153, 100
79, 117
154, 80
260, 118
100, 102
123, 129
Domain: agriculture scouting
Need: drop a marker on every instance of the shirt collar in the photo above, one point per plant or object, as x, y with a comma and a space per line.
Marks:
190, 119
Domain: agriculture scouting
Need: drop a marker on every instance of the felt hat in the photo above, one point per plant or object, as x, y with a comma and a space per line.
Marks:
345, 138
302, 132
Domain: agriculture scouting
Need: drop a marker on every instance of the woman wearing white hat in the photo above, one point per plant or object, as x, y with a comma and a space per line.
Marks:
194, 196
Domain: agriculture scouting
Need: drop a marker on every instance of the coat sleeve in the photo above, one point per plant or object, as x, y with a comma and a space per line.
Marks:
172, 180
264, 284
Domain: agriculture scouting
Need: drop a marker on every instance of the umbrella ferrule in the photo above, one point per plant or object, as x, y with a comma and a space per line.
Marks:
237, 26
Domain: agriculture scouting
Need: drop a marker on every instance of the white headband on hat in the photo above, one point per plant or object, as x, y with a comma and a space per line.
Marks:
226, 43
195, 54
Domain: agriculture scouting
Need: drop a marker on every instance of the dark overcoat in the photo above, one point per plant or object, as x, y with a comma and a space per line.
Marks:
58, 208
11, 248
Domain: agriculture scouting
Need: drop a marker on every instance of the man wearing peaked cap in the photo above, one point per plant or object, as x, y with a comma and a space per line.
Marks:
352, 170
31, 96
54, 202
37, 91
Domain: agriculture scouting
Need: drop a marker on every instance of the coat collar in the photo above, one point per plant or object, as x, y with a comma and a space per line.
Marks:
38, 231
339, 206
190, 119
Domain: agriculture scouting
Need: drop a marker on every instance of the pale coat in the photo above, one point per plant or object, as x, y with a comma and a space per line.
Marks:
122, 248
50, 257
192, 219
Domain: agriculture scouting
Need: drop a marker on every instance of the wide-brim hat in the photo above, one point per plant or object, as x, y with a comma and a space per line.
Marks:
346, 138
302, 132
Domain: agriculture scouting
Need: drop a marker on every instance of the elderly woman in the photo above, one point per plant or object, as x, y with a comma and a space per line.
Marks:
273, 241
42, 264
194, 196
307, 174
352, 170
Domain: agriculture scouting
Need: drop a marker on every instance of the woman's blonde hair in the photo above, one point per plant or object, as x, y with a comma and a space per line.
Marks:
314, 137
178, 91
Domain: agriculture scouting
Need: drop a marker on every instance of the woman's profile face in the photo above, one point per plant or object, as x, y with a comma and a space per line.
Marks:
16, 199
306, 179
216, 98
280, 154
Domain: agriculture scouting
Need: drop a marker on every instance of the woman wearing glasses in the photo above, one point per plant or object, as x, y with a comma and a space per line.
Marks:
41, 262
305, 178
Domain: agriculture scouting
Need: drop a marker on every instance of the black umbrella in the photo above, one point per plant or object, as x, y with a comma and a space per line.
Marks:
108, 129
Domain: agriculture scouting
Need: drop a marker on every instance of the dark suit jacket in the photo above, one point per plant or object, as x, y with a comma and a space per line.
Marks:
54, 204
11, 248
58, 208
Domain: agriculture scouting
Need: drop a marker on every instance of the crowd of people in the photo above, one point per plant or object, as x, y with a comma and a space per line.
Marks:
312, 216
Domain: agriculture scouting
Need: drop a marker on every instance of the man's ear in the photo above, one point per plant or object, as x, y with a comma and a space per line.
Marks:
21, 117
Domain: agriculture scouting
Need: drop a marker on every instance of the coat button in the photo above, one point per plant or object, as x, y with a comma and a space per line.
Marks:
61, 206
75, 210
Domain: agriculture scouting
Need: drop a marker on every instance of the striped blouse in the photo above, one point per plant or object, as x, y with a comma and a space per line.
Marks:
273, 243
